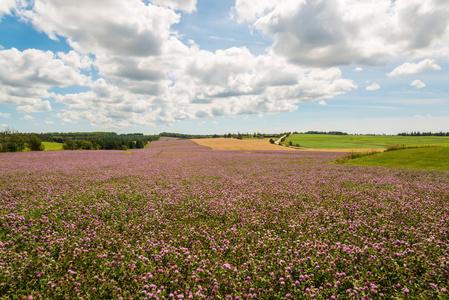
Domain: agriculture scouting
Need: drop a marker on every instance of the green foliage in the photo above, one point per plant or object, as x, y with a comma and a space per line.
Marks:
87, 145
61, 137
12, 141
35, 144
69, 145
271, 141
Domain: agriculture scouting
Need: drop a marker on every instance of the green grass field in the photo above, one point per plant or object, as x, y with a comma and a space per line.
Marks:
433, 158
326, 141
50, 146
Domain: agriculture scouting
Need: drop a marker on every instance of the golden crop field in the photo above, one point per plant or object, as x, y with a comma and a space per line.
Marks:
235, 144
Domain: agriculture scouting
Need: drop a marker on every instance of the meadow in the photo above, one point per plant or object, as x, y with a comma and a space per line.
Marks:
51, 146
181, 221
327, 141
426, 158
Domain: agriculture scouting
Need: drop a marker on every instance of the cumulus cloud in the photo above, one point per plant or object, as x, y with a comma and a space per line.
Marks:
201, 84
322, 102
147, 76
5, 115
373, 87
414, 68
129, 28
185, 5
48, 122
26, 77
6, 6
39, 106
418, 84
27, 118
330, 33
358, 69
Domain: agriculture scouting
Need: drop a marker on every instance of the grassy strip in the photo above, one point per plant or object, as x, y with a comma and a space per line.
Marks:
355, 155
50, 146
395, 147
322, 141
423, 158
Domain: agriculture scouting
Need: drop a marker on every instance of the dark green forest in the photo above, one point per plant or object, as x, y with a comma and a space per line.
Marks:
13, 141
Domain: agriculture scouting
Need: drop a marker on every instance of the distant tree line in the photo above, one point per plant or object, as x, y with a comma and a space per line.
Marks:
13, 141
226, 135
97, 144
322, 132
417, 133
62, 137
184, 136
98, 140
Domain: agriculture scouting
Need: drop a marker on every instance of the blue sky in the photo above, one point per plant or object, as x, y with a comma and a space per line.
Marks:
224, 66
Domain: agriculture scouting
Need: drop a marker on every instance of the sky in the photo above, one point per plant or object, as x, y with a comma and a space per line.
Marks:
207, 66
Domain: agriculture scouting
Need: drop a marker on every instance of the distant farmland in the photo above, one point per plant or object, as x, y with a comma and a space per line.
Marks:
236, 144
325, 141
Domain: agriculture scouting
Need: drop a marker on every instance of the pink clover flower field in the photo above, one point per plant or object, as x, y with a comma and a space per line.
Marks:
181, 221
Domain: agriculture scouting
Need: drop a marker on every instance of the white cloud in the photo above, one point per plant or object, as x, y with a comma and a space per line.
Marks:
412, 68
1, 47
27, 118
115, 27
75, 60
38, 106
186, 5
149, 77
26, 77
418, 84
49, 122
5, 115
358, 69
322, 102
4, 125
6, 6
330, 33
203, 84
373, 87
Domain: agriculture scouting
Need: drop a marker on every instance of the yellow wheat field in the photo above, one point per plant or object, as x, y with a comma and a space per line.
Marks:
235, 144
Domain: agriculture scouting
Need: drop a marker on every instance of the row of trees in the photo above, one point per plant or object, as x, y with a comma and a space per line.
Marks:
417, 133
322, 132
226, 135
62, 137
103, 144
12, 141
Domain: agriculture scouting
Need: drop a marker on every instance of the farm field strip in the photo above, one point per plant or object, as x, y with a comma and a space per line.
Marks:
323, 141
432, 158
183, 221
235, 144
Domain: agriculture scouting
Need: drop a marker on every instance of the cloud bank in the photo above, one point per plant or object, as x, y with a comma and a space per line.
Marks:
331, 33
148, 76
